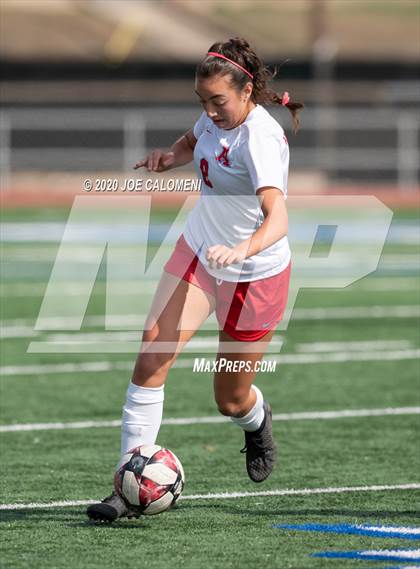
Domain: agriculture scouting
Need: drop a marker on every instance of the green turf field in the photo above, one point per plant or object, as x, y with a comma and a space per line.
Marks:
365, 358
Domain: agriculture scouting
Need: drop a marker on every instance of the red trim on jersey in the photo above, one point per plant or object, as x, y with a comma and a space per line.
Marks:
247, 312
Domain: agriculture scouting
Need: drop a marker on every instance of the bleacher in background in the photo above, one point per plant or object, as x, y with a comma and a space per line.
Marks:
92, 85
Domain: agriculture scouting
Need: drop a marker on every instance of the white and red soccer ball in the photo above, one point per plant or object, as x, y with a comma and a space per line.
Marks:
149, 478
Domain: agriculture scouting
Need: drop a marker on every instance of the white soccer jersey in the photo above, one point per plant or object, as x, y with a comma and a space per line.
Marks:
232, 165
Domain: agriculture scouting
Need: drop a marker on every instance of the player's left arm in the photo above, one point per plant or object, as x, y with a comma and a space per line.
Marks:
273, 228
275, 224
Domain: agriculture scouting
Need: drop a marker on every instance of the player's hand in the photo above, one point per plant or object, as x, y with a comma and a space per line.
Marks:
220, 256
157, 161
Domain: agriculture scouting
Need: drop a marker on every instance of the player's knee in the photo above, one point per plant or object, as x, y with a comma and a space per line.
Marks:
232, 407
150, 365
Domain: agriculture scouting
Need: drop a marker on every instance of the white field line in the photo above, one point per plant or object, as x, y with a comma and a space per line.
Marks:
184, 363
148, 286
26, 326
65, 368
213, 342
17, 290
204, 342
299, 416
72, 322
194, 344
392, 554
351, 312
390, 529
364, 345
36, 289
229, 495
347, 357
381, 284
9, 332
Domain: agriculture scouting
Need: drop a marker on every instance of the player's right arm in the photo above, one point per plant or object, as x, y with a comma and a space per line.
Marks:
180, 153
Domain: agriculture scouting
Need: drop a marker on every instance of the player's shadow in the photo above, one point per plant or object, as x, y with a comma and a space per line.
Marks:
71, 517
117, 525
43, 514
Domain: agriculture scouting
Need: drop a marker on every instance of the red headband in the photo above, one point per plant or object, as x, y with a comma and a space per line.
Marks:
214, 54
285, 98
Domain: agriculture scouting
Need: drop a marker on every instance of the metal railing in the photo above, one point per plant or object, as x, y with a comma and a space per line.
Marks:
319, 144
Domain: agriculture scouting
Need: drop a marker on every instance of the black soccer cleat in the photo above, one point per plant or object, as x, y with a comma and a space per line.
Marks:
110, 509
260, 449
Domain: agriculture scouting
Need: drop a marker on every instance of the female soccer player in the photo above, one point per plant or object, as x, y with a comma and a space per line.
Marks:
233, 257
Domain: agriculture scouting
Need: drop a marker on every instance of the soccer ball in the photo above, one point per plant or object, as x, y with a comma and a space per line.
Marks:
149, 478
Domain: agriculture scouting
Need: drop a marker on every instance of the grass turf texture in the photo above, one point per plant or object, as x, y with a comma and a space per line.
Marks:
45, 466
232, 534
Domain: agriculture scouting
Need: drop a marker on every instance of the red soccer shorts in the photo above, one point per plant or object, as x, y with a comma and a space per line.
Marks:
245, 310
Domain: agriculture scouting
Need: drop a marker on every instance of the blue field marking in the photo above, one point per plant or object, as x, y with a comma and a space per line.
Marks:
396, 567
370, 530
409, 555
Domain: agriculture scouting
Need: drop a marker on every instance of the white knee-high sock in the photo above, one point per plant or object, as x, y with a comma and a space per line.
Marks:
252, 421
142, 416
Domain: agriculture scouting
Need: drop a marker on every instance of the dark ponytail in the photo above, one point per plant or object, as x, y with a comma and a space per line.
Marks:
238, 50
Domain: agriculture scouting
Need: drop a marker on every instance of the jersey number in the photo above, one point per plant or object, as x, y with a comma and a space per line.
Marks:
204, 167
